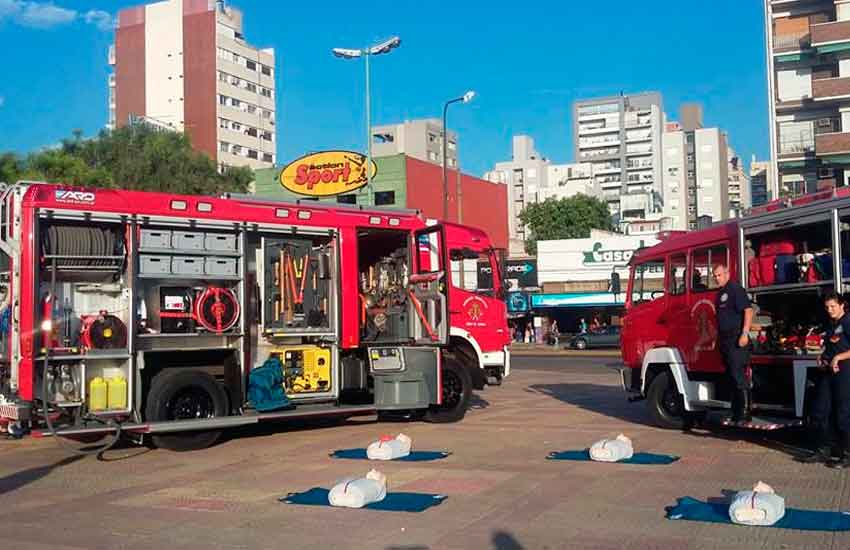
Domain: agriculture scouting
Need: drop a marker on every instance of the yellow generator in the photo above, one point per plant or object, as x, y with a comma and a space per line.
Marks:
306, 369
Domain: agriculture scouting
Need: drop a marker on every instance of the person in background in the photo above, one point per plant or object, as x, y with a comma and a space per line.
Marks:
555, 333
614, 284
832, 387
734, 317
594, 322
529, 335
582, 326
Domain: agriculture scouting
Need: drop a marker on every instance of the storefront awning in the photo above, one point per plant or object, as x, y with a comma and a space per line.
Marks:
830, 48
577, 299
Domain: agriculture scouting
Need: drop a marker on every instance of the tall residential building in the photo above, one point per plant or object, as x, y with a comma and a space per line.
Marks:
760, 178
696, 172
420, 139
524, 175
621, 137
808, 71
185, 65
740, 198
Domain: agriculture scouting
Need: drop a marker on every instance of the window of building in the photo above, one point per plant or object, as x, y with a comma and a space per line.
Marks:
236, 149
383, 138
267, 114
251, 87
267, 136
794, 84
222, 100
432, 138
235, 102
250, 65
251, 132
252, 109
224, 147
704, 260
235, 126
235, 80
252, 154
222, 77
432, 156
452, 162
384, 198
223, 123
268, 157
451, 145
266, 70
346, 199
265, 92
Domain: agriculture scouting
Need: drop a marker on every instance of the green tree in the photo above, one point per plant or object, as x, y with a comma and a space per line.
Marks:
570, 218
136, 157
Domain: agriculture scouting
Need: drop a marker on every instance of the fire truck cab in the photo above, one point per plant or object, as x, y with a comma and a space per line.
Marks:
786, 255
152, 313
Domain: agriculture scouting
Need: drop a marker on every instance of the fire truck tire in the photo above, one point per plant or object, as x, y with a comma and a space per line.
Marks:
182, 395
457, 392
666, 405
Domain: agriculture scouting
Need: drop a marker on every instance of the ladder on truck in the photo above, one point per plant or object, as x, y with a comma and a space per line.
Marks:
11, 197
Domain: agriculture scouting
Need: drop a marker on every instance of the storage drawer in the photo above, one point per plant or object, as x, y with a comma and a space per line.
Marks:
220, 266
187, 265
157, 265
187, 240
219, 241
155, 238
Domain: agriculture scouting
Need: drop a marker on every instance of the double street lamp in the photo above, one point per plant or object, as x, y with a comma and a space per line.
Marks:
384, 47
465, 98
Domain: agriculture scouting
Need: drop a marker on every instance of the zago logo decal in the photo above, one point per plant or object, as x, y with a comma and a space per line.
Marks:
326, 174
77, 197
475, 308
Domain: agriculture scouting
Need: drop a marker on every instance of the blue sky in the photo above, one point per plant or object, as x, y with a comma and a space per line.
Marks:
528, 61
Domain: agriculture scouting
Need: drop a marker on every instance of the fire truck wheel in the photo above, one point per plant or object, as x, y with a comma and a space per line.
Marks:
184, 395
666, 405
457, 391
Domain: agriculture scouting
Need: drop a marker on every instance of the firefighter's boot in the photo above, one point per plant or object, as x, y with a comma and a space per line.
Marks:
823, 450
747, 405
737, 406
844, 457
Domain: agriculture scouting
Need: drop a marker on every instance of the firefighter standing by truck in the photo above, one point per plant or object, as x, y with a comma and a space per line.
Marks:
734, 317
832, 392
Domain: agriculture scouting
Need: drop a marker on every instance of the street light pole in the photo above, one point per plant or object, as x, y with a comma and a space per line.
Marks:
465, 98
384, 47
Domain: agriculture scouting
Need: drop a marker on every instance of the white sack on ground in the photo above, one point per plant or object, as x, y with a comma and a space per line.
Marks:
761, 506
389, 448
358, 492
612, 450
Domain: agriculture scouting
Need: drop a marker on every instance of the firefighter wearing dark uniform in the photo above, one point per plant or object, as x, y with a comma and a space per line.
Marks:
832, 389
734, 316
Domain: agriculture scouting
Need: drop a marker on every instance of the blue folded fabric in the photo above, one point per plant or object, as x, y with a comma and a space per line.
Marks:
691, 509
414, 456
637, 458
393, 502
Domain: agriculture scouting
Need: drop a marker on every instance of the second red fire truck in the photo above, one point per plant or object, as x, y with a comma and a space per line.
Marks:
787, 255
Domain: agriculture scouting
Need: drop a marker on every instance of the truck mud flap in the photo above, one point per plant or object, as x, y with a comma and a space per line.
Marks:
214, 423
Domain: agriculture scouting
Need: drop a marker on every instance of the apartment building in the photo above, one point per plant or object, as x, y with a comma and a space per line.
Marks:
420, 139
524, 175
740, 197
808, 61
620, 136
696, 172
760, 178
185, 65
566, 180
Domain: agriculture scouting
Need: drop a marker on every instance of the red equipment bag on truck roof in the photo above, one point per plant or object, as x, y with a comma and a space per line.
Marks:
767, 270
754, 273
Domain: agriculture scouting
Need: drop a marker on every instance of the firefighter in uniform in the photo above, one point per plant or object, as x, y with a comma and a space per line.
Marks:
832, 390
734, 317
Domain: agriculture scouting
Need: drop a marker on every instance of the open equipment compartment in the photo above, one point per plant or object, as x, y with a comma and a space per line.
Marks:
84, 288
383, 266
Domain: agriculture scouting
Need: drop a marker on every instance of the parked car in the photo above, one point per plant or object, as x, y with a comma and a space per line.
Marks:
603, 337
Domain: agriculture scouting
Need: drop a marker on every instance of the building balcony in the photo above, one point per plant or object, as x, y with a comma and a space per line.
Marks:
833, 32
837, 143
792, 42
831, 88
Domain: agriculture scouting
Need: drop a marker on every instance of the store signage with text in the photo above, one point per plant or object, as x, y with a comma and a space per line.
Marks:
326, 174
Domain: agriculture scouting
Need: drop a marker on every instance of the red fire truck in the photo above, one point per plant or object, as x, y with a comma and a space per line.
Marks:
786, 254
146, 313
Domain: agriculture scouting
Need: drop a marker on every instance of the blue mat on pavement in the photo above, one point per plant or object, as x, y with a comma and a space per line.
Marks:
691, 509
414, 456
393, 502
637, 458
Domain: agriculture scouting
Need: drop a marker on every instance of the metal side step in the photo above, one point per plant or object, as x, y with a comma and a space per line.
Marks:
759, 422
